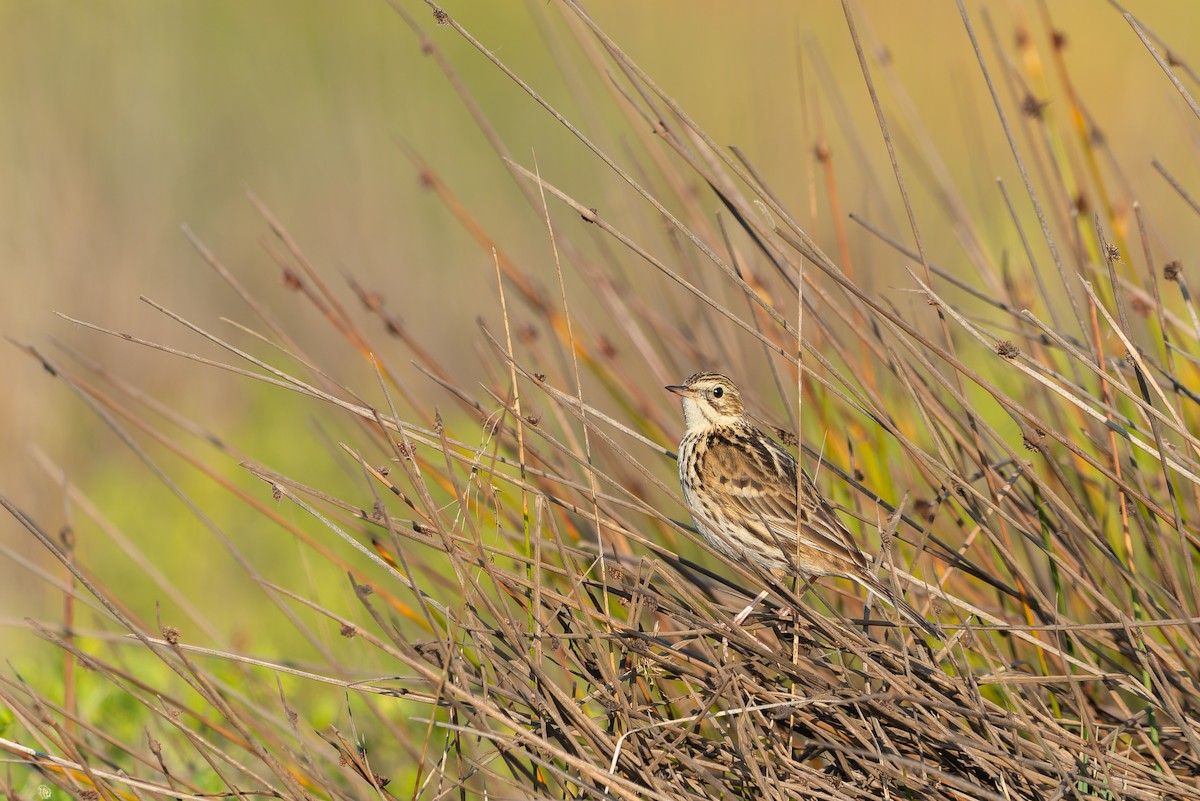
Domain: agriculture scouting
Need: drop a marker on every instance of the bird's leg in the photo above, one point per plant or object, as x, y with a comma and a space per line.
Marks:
801, 588
805, 586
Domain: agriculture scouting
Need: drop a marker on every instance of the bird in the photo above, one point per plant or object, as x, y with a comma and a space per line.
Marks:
741, 485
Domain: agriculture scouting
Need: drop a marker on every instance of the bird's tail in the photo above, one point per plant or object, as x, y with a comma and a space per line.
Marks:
885, 594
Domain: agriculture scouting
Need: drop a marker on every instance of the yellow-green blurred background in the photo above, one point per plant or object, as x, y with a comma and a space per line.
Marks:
124, 120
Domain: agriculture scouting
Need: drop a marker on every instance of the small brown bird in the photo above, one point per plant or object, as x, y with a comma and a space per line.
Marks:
740, 486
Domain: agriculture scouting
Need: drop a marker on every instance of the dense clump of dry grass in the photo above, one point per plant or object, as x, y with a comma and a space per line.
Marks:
1018, 447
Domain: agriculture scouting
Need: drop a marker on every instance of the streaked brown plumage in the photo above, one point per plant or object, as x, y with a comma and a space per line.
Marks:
740, 486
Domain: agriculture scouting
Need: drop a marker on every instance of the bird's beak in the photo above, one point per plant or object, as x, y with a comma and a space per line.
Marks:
680, 390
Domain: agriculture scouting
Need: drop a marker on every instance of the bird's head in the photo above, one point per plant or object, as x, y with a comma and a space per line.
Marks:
709, 399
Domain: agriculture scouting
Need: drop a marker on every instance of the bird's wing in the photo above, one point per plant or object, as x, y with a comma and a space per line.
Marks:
757, 477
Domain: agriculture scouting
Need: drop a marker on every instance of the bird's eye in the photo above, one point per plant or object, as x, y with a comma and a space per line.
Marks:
718, 392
